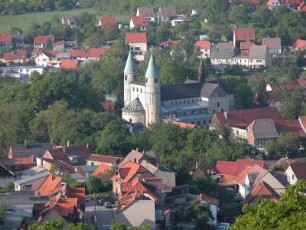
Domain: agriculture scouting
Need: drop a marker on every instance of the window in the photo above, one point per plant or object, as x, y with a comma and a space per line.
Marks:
28, 187
140, 90
292, 176
125, 77
133, 89
137, 90
218, 104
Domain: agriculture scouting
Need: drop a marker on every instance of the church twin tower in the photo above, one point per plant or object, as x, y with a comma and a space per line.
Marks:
141, 100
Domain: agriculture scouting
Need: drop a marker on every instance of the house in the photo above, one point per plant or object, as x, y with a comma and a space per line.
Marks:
296, 171
274, 45
204, 47
107, 21
15, 57
52, 184
28, 149
138, 22
299, 44
213, 207
44, 58
165, 14
97, 159
18, 164
138, 44
178, 20
43, 42
222, 54
243, 35
131, 205
272, 4
260, 131
70, 22
59, 45
69, 64
82, 173
257, 56
245, 48
148, 12
31, 183
202, 170
90, 54
239, 120
21, 72
261, 191
6, 176
64, 157
6, 41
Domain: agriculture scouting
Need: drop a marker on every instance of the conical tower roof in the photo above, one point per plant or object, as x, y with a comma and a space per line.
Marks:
129, 65
152, 70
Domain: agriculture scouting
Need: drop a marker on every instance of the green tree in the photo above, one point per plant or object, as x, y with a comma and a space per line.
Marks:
289, 213
292, 103
2, 212
48, 225
98, 185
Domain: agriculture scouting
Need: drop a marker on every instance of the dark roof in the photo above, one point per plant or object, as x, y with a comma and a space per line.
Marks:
263, 128
172, 92
208, 89
299, 169
272, 43
37, 149
222, 52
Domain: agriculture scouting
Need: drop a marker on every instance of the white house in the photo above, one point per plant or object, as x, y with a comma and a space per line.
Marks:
43, 58
213, 207
204, 47
296, 171
138, 44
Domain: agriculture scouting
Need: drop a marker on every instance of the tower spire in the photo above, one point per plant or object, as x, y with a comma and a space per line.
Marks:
152, 70
129, 65
201, 72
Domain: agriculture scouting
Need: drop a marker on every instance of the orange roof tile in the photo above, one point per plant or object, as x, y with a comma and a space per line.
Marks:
105, 158
208, 199
183, 124
43, 39
18, 161
105, 21
51, 185
244, 34
130, 169
101, 169
17, 55
203, 44
136, 37
302, 7
262, 189
300, 44
69, 64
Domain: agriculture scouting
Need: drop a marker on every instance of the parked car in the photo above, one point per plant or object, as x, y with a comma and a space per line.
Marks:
108, 204
101, 202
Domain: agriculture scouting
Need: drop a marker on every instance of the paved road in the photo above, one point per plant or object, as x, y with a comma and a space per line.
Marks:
104, 216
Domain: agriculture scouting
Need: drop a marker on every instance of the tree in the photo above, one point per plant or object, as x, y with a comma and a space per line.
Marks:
292, 103
98, 185
48, 225
118, 226
80, 226
289, 213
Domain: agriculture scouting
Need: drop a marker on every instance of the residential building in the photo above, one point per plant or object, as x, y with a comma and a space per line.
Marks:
101, 169
107, 21
90, 54
6, 41
274, 45
43, 42
52, 184
69, 64
28, 149
257, 56
138, 22
213, 207
70, 22
138, 44
222, 54
148, 12
272, 4
261, 191
97, 159
21, 72
31, 183
204, 47
296, 171
243, 35
18, 164
193, 102
166, 14
15, 57
299, 44
302, 7
45, 58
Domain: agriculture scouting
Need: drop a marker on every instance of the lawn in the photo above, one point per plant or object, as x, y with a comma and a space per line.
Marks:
24, 21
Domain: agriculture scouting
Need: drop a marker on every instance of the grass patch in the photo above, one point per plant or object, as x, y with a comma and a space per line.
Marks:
24, 21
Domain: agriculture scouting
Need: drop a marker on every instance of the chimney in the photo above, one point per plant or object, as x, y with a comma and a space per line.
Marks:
87, 145
69, 144
197, 165
25, 144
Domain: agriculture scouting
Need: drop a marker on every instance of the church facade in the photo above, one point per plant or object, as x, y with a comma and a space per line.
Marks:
193, 102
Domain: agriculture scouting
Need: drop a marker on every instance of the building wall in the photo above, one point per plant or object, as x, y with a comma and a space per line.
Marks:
134, 117
168, 178
238, 133
205, 53
274, 183
140, 92
41, 60
135, 215
290, 176
35, 184
139, 50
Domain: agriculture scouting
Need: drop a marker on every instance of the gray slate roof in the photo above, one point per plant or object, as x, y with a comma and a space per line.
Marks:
31, 178
222, 52
258, 52
37, 149
272, 43
263, 128
134, 106
146, 11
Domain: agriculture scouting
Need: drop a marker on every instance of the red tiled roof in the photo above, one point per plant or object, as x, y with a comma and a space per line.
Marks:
91, 53
130, 169
136, 37
51, 185
294, 2
6, 38
139, 21
69, 64
290, 126
101, 169
17, 55
105, 158
18, 161
244, 34
208, 199
235, 167
43, 39
300, 44
242, 118
183, 124
302, 7
262, 189
203, 44
246, 45
105, 21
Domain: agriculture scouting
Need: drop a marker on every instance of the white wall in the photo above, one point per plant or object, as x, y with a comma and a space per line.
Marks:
290, 176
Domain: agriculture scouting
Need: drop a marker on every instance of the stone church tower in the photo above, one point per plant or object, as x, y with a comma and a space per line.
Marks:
152, 107
129, 77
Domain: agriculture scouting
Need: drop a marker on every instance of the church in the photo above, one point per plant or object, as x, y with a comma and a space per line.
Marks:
193, 102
